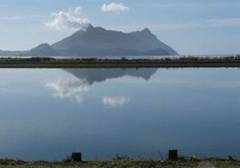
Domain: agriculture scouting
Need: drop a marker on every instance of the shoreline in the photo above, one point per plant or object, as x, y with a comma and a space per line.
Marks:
184, 62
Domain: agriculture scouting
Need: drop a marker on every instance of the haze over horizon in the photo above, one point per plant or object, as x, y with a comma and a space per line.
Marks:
190, 27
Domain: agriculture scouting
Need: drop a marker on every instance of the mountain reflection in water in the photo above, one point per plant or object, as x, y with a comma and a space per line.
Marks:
79, 84
46, 114
100, 75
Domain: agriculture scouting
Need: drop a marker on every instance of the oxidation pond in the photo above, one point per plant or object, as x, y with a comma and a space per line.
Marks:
46, 114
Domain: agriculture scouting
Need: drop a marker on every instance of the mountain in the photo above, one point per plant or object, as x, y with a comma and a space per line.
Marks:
97, 41
43, 50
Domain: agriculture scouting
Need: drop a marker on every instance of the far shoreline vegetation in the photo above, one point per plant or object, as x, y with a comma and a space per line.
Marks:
165, 62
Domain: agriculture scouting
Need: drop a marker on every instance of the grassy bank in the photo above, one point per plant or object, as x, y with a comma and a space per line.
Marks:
124, 163
181, 62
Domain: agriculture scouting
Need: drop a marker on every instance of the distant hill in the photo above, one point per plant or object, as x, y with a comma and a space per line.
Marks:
43, 50
11, 53
97, 41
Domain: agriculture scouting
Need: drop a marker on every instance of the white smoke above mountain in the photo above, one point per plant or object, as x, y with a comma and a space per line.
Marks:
70, 19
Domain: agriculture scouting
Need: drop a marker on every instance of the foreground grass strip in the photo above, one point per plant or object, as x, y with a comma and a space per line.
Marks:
228, 164
206, 164
123, 163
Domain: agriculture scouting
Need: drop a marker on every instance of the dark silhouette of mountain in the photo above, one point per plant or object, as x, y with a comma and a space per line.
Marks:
43, 50
99, 75
97, 41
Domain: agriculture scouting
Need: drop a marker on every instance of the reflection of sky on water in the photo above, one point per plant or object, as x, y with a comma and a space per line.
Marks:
81, 80
47, 114
70, 87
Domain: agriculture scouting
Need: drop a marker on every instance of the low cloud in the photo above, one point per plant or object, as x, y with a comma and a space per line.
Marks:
11, 18
225, 22
20, 18
71, 19
115, 101
69, 88
114, 7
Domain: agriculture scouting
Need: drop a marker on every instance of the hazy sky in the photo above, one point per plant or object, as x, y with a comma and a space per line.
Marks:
189, 26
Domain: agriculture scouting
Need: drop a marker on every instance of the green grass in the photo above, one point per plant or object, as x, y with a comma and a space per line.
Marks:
127, 164
116, 163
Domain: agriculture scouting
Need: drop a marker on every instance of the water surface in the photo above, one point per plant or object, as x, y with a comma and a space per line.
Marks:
50, 113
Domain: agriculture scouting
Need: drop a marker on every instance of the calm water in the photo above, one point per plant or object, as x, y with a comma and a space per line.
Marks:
48, 114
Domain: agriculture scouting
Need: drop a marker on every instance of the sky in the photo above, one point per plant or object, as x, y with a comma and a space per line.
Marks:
189, 26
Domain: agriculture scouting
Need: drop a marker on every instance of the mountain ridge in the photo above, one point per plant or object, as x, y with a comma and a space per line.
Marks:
97, 41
